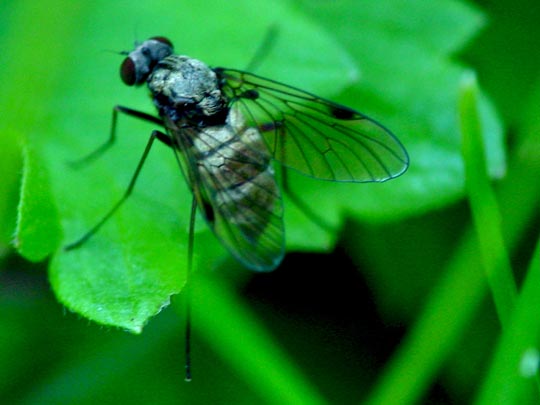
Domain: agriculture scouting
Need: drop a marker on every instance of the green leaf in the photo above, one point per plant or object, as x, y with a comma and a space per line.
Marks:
395, 60
10, 167
410, 83
38, 231
127, 271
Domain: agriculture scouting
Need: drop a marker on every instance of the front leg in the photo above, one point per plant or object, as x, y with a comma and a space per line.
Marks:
163, 137
112, 136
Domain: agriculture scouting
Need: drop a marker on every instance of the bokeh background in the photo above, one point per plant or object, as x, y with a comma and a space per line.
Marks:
391, 306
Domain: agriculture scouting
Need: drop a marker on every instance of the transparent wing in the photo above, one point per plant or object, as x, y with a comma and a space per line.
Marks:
236, 192
312, 135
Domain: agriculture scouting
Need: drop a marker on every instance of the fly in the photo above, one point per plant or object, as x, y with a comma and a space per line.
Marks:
228, 126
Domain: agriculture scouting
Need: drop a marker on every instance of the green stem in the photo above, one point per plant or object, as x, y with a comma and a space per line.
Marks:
455, 300
484, 206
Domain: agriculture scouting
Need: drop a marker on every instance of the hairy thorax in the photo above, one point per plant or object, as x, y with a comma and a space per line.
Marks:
187, 89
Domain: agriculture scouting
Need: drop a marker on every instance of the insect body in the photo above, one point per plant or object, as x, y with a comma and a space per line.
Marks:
228, 126
226, 162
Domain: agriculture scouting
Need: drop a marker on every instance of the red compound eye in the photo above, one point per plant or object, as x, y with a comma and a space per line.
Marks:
127, 72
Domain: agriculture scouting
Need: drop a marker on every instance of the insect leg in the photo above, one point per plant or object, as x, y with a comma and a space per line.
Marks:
112, 136
155, 135
306, 210
191, 242
263, 49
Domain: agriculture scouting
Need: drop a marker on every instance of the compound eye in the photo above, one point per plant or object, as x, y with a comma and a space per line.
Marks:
163, 40
128, 72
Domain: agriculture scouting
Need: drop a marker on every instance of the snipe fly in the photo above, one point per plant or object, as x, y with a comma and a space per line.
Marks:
227, 127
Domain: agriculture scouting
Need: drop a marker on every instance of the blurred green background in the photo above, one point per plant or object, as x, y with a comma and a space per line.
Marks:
392, 306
